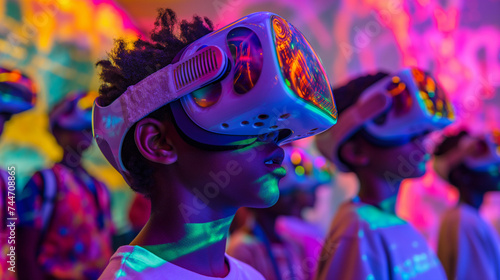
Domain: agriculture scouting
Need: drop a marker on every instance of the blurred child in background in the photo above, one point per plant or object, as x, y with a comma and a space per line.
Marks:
17, 94
277, 241
468, 247
383, 120
65, 226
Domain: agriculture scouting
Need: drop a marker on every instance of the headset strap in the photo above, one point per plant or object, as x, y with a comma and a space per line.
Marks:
49, 195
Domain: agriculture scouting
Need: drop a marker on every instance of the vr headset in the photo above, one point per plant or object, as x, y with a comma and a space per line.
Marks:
17, 92
74, 112
255, 76
392, 112
478, 153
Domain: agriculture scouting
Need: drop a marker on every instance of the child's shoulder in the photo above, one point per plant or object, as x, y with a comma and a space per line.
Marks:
360, 218
131, 262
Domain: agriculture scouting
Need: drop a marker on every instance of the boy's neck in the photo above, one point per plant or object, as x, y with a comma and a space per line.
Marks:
267, 222
378, 191
187, 243
71, 159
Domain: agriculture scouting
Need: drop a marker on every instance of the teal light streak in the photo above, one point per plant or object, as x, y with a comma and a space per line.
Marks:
377, 219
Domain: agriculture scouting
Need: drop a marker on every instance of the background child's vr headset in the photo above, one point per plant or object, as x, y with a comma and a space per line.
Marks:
255, 76
17, 92
478, 153
392, 112
74, 112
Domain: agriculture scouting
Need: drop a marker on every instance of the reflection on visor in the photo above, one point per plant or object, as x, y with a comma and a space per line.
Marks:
402, 100
300, 66
246, 50
434, 101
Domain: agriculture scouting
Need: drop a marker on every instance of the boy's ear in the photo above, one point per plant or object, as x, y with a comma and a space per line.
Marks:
354, 154
151, 139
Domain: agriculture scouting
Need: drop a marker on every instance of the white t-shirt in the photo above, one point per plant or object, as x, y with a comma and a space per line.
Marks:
468, 247
366, 243
135, 262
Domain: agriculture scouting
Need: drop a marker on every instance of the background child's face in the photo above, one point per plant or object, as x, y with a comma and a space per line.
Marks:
405, 161
485, 181
481, 181
77, 141
244, 177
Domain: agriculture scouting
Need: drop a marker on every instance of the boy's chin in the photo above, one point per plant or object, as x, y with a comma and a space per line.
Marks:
268, 196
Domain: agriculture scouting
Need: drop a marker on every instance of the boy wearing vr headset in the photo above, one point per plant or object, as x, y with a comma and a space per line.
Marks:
65, 226
468, 247
193, 122
383, 119
17, 94
277, 241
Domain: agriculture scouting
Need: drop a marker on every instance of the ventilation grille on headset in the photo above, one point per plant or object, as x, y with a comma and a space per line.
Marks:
195, 68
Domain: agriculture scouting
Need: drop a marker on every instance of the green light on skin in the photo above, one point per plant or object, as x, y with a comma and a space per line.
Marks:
269, 191
197, 236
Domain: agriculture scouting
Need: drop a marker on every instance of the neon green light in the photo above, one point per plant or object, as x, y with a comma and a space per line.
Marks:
196, 237
269, 191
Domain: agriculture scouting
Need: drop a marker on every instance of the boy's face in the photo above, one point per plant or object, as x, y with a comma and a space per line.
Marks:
244, 177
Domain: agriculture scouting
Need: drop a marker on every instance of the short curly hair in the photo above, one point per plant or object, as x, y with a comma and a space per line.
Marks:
127, 66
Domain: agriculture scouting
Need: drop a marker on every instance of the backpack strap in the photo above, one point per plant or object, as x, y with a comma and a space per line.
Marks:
3, 184
48, 198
